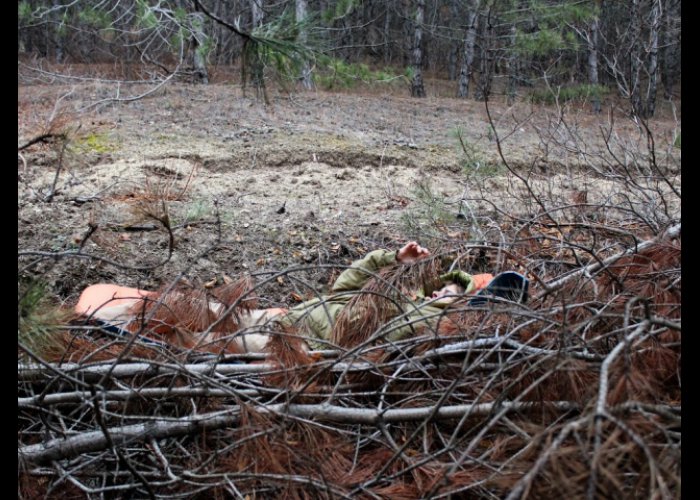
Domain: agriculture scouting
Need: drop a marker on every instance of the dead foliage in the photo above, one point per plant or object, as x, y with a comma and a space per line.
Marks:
575, 394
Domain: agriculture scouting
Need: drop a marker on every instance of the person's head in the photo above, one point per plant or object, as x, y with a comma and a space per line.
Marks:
449, 292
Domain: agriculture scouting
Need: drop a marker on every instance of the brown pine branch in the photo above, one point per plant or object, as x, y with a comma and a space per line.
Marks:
42, 138
94, 441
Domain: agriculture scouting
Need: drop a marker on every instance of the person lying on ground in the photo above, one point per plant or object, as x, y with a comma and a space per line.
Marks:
363, 304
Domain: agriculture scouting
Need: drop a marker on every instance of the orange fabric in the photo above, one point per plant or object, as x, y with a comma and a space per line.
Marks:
103, 295
481, 281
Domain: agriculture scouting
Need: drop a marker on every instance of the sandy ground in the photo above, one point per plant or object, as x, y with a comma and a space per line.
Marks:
311, 179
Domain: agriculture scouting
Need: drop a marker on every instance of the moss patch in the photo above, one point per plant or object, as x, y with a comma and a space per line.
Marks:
95, 142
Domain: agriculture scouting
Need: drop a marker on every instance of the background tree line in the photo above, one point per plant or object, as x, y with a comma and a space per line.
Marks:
546, 49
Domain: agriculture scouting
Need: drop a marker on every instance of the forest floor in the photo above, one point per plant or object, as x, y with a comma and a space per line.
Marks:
312, 178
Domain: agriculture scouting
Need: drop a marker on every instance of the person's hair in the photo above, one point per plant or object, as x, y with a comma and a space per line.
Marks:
461, 287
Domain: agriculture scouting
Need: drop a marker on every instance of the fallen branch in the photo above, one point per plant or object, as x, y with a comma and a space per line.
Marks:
519, 490
672, 232
60, 448
32, 371
41, 138
125, 395
469, 345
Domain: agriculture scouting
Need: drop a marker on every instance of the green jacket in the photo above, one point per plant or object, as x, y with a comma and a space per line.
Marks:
317, 316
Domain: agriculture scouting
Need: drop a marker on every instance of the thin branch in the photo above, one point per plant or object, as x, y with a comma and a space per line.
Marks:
672, 232
87, 442
42, 138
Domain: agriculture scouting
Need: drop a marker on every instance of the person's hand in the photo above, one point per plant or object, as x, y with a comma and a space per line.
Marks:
411, 252
481, 281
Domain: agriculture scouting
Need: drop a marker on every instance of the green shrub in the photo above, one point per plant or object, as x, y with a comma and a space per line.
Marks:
24, 11
39, 319
335, 73
584, 93
95, 18
539, 42
429, 214
474, 160
94, 142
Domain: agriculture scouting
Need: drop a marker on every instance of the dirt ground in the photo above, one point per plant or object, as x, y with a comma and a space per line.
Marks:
312, 179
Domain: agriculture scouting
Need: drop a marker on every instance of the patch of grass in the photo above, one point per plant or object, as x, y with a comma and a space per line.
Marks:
202, 209
197, 210
93, 142
39, 319
677, 141
429, 215
475, 161
162, 138
583, 93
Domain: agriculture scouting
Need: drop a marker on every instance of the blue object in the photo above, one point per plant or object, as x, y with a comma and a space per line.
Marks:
509, 285
116, 329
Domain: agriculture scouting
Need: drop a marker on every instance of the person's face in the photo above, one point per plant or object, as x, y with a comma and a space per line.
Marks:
447, 292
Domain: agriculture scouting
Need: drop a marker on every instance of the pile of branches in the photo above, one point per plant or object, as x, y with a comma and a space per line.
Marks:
576, 393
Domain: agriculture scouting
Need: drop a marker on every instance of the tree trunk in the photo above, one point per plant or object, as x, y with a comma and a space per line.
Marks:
417, 87
653, 50
487, 59
671, 53
512, 65
198, 48
257, 69
218, 33
465, 72
256, 13
57, 33
301, 14
453, 56
387, 35
593, 60
636, 58
452, 62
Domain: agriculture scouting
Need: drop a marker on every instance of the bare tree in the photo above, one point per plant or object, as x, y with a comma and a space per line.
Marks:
387, 35
417, 87
198, 43
626, 45
644, 37
465, 72
671, 44
257, 66
592, 42
487, 58
301, 19
58, 39
257, 12
512, 65
653, 57
454, 47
